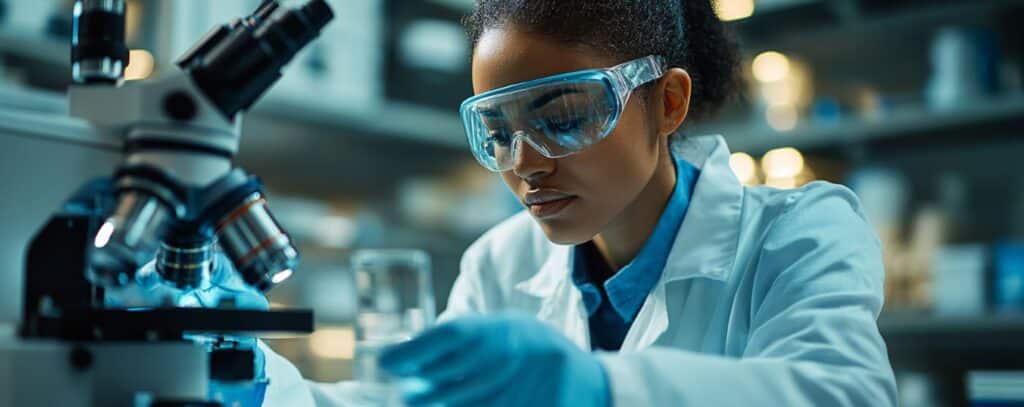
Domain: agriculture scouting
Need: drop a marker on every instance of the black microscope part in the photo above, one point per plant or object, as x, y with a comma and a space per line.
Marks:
99, 34
178, 105
235, 64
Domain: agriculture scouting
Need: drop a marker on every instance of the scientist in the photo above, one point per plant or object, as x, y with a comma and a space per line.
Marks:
642, 273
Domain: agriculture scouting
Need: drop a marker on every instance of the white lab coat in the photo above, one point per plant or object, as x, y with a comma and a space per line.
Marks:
769, 297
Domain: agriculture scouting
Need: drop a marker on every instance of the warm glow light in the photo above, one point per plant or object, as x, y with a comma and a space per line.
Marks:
781, 117
744, 166
782, 163
770, 66
780, 93
104, 234
333, 343
281, 276
140, 65
730, 10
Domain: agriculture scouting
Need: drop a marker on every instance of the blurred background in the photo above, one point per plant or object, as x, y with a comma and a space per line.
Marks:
917, 105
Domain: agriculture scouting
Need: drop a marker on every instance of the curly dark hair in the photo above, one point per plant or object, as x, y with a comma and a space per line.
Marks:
686, 32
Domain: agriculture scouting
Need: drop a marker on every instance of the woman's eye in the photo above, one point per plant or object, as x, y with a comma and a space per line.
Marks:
564, 126
500, 138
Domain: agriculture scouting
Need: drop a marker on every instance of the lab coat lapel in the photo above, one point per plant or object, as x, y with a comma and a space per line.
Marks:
561, 305
705, 245
650, 322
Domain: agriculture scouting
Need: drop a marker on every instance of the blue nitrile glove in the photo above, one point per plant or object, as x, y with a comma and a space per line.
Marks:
227, 289
499, 360
226, 285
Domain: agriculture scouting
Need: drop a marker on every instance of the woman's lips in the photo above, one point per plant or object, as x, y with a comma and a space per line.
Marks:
552, 208
546, 203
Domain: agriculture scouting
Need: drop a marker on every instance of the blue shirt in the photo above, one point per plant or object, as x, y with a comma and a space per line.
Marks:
611, 310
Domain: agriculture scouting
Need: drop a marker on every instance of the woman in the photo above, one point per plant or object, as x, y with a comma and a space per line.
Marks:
643, 273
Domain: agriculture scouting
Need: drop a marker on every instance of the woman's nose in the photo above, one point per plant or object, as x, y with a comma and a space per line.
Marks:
530, 163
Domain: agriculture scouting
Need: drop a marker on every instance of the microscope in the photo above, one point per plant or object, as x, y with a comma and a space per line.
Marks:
175, 203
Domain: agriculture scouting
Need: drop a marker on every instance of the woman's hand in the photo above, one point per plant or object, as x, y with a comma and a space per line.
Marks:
498, 360
225, 290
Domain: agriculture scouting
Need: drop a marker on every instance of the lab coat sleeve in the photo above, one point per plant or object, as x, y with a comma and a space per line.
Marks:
288, 388
467, 294
813, 338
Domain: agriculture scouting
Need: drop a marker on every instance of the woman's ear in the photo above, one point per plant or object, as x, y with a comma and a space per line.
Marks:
674, 88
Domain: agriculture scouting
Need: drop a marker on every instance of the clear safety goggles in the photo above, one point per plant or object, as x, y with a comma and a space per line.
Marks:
557, 115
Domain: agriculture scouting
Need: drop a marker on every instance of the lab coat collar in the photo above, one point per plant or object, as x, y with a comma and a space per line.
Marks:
561, 303
706, 243
551, 274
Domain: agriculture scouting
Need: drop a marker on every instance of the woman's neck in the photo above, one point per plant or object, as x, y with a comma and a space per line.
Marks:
624, 237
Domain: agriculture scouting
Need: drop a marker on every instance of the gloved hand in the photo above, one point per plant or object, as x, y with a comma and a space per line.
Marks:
225, 289
228, 290
499, 360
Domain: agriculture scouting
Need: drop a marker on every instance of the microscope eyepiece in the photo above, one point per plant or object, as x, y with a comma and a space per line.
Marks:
263, 12
98, 50
318, 12
235, 64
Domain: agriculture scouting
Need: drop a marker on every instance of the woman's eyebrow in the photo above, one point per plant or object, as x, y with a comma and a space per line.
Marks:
552, 95
540, 101
490, 113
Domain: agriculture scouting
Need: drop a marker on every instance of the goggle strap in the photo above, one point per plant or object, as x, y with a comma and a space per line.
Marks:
640, 71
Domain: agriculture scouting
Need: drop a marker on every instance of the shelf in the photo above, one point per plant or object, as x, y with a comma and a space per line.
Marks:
398, 121
402, 121
933, 343
815, 22
35, 47
903, 325
774, 6
33, 113
1005, 113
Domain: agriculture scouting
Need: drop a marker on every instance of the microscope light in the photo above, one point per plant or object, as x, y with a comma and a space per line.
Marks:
281, 276
103, 235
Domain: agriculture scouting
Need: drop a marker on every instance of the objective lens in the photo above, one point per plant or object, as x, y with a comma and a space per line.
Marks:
185, 266
261, 251
128, 238
98, 50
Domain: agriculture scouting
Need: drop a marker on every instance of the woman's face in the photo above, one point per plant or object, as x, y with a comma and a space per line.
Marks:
573, 198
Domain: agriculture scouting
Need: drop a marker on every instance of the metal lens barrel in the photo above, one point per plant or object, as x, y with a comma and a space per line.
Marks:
128, 238
186, 266
257, 245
